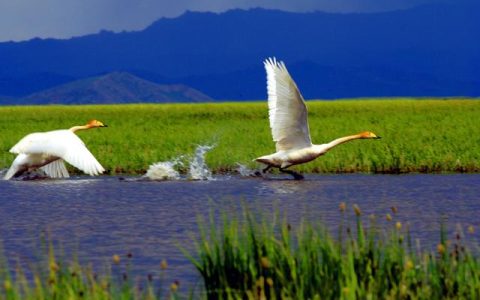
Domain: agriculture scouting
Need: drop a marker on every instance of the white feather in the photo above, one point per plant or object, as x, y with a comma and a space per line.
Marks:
287, 109
289, 124
48, 149
56, 169
16, 167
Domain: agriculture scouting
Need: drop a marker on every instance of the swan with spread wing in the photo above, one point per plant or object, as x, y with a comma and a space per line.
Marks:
48, 151
289, 123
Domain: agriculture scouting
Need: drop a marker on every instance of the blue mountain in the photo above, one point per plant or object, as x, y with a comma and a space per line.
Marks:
115, 87
430, 50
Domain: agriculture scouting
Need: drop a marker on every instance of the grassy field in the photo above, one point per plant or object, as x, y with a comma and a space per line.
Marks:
417, 135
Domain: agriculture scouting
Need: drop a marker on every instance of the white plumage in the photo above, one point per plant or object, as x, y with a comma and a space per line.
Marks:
287, 109
289, 124
49, 150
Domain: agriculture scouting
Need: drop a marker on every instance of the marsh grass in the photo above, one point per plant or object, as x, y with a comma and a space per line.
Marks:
250, 255
243, 258
417, 135
52, 276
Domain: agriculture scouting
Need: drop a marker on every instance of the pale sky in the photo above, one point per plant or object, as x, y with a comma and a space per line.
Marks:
26, 19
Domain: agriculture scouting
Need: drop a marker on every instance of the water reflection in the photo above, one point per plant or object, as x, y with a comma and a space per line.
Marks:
269, 186
99, 217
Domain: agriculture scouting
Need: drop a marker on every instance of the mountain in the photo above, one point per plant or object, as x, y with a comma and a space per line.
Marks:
6, 99
329, 82
27, 83
116, 87
429, 50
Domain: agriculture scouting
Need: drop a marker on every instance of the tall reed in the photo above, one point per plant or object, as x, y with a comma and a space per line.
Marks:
253, 256
241, 258
50, 276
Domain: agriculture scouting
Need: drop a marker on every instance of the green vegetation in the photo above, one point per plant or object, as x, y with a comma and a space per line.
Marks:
251, 256
241, 258
418, 135
54, 278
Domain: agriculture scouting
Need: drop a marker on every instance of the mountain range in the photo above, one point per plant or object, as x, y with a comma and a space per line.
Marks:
429, 50
115, 87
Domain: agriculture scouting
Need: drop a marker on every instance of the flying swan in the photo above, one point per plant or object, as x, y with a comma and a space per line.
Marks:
48, 150
288, 122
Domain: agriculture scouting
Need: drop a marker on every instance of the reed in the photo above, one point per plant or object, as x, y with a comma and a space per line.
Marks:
243, 258
51, 276
417, 135
250, 255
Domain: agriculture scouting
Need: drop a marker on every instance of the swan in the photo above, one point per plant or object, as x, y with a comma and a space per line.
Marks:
289, 124
48, 151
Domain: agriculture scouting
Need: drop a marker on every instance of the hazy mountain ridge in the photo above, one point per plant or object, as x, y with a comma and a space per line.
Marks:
115, 87
431, 50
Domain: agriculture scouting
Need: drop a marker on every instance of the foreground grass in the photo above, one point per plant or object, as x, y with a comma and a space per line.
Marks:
247, 256
264, 260
418, 135
52, 278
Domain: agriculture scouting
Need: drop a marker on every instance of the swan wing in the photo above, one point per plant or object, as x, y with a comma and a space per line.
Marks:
32, 143
62, 144
56, 169
286, 108
18, 166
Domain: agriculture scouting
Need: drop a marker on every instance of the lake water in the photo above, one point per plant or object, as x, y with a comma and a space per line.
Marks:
98, 217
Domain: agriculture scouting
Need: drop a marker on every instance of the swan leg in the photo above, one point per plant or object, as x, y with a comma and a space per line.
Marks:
266, 169
296, 176
262, 173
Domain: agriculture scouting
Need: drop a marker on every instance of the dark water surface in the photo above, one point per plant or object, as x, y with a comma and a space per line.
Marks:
98, 217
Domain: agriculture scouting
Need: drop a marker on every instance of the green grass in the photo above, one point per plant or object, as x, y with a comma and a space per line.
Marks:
52, 277
248, 255
417, 135
243, 258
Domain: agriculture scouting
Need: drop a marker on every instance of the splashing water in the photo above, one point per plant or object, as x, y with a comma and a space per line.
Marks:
163, 170
245, 171
27, 175
198, 169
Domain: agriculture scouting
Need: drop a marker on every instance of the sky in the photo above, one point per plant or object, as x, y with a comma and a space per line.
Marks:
27, 19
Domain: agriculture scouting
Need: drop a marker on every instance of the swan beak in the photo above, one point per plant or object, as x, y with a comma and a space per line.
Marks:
377, 137
104, 125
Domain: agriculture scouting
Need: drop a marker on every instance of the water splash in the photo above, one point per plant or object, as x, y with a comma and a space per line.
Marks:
245, 171
36, 174
168, 170
163, 170
198, 168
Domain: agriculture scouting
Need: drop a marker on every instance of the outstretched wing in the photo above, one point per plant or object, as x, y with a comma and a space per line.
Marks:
286, 108
62, 144
56, 169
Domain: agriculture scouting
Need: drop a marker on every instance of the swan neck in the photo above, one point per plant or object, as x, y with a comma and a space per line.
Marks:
77, 128
342, 140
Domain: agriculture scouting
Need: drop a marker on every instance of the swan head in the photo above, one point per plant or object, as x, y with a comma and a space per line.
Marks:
95, 123
368, 135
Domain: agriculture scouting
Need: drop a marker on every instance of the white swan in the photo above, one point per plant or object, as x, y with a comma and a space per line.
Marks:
289, 124
48, 150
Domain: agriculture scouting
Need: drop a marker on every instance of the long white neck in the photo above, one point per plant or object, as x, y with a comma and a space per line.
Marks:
76, 128
321, 149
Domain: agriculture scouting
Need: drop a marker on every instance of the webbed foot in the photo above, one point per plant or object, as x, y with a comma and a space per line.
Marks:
296, 176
